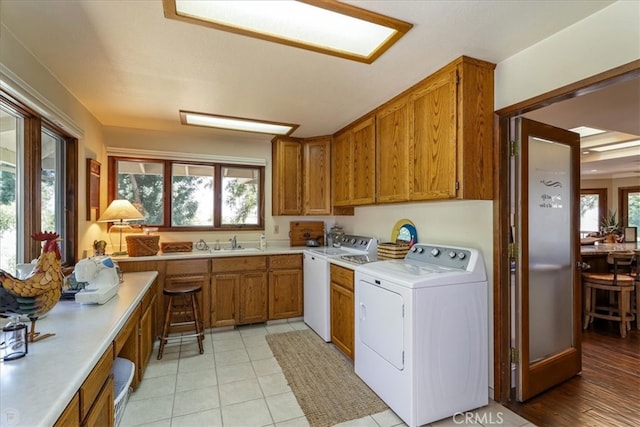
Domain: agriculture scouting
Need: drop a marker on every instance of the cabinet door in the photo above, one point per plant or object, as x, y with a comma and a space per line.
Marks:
147, 333
317, 176
224, 299
342, 322
285, 293
432, 121
392, 151
341, 162
253, 298
102, 411
287, 177
364, 163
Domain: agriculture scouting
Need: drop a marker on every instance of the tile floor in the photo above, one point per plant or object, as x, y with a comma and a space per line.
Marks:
238, 382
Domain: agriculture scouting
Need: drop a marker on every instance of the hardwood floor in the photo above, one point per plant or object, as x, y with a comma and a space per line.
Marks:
606, 394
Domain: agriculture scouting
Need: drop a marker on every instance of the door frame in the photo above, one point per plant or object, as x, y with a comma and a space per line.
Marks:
501, 221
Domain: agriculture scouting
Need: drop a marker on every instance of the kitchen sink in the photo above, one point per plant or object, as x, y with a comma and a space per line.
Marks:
228, 251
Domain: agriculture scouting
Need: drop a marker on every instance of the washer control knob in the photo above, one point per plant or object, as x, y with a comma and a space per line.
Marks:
414, 249
452, 254
420, 250
461, 255
435, 251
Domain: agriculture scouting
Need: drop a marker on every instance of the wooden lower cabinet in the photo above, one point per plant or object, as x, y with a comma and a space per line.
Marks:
147, 330
285, 286
238, 291
342, 309
71, 415
102, 411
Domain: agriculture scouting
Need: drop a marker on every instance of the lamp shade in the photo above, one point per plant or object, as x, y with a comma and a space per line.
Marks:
120, 210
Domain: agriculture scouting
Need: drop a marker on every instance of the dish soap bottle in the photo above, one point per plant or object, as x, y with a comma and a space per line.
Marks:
263, 242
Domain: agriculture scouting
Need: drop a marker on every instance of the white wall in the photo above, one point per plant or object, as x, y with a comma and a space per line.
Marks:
600, 42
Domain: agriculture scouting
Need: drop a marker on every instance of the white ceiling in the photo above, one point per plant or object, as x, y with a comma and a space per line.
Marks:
131, 67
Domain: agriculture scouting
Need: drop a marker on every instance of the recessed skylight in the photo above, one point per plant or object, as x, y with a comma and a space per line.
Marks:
236, 123
325, 26
585, 131
619, 146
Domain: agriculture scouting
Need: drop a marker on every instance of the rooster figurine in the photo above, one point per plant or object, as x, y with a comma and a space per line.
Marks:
35, 295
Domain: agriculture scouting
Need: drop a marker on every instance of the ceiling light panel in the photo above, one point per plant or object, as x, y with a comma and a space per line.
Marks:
325, 26
236, 123
619, 146
585, 131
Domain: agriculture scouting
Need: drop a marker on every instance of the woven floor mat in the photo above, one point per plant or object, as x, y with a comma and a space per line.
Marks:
322, 379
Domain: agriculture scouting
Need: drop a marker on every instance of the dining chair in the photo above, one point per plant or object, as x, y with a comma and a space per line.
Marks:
619, 285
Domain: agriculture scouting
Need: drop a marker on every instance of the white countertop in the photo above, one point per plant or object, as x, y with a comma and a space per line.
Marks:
160, 256
36, 389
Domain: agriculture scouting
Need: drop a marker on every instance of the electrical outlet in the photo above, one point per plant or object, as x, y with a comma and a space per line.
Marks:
276, 229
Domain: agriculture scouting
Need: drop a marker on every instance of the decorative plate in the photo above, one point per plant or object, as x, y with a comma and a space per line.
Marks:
404, 232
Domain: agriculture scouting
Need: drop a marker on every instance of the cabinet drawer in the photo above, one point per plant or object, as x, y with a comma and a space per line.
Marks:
191, 267
342, 276
285, 261
71, 415
148, 297
243, 263
91, 387
126, 331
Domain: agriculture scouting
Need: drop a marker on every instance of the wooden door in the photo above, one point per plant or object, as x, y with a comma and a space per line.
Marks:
342, 309
392, 151
147, 333
364, 163
341, 168
253, 298
285, 293
433, 132
548, 292
317, 176
225, 299
102, 410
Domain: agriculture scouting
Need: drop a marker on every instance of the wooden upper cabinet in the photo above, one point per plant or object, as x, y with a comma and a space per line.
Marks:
287, 176
432, 118
392, 152
316, 170
354, 164
341, 172
451, 131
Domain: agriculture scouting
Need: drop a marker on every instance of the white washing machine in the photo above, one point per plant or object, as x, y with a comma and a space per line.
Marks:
421, 332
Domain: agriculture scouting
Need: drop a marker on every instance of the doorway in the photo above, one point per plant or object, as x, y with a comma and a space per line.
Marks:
502, 223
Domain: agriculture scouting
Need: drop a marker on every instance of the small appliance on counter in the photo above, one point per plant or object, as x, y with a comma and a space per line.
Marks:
103, 280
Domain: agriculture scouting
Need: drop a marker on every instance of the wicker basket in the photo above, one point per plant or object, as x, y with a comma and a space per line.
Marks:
167, 247
392, 250
142, 245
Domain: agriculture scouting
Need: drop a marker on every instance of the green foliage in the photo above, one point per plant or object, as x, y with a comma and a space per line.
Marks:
587, 202
7, 187
242, 200
610, 224
184, 204
145, 192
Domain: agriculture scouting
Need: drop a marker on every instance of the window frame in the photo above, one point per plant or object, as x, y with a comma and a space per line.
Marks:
623, 203
112, 183
602, 198
34, 123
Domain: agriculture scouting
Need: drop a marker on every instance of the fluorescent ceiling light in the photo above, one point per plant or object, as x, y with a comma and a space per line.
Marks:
585, 131
236, 123
628, 144
325, 26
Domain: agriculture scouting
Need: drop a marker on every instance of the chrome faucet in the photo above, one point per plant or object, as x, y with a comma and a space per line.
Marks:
234, 242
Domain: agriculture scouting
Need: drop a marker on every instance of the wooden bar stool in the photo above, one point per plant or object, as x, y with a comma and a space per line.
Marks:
183, 304
619, 285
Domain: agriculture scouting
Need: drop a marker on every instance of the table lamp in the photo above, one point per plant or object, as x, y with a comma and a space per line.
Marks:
118, 212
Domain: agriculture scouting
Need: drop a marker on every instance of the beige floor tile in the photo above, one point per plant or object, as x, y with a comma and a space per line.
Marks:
274, 384
229, 344
222, 335
238, 372
266, 366
359, 422
240, 391
252, 330
296, 422
210, 418
191, 401
232, 357
196, 363
254, 340
299, 325
253, 413
194, 380
147, 410
160, 423
154, 387
279, 328
284, 407
258, 352
160, 368
387, 419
